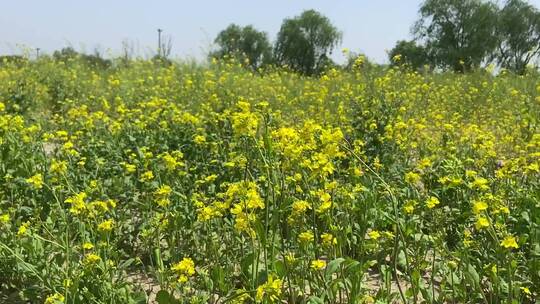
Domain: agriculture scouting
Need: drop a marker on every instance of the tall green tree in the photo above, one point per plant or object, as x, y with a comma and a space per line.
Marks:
244, 43
305, 42
519, 35
458, 34
408, 53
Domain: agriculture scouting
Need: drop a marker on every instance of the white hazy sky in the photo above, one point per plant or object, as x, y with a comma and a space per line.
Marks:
369, 26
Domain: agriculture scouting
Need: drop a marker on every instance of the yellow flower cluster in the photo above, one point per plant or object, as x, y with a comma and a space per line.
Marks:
184, 269
269, 291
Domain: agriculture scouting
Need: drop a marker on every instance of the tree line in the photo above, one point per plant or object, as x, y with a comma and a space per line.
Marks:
457, 35
303, 44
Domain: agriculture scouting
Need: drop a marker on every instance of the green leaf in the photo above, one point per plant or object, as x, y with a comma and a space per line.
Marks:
525, 217
126, 263
279, 268
402, 261
163, 297
472, 276
246, 263
353, 267
218, 277
315, 300
140, 298
426, 292
333, 266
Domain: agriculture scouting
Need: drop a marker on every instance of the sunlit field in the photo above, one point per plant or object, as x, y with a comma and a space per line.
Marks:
190, 183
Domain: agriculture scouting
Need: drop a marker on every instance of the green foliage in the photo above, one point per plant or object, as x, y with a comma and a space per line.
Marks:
244, 43
358, 61
68, 54
518, 33
410, 54
65, 54
305, 42
458, 34
17, 60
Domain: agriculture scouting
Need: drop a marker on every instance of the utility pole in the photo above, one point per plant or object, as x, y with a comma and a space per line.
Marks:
159, 41
37, 53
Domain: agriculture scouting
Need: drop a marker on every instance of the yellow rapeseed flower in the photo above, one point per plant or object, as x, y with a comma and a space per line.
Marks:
412, 178
129, 168
184, 269
374, 235
56, 298
480, 183
432, 202
199, 139
147, 176
509, 242
106, 226
328, 239
318, 264
92, 258
409, 207
269, 291
23, 229
525, 290
163, 191
77, 202
300, 206
481, 223
306, 237
479, 206
36, 181
58, 166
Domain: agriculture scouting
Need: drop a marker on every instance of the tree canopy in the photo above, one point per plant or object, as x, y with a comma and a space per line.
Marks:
458, 34
410, 54
244, 42
305, 42
518, 30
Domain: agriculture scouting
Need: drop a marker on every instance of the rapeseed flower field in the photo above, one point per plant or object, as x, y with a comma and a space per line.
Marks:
216, 184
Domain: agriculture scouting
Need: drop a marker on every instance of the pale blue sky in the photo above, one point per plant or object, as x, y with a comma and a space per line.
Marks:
369, 26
